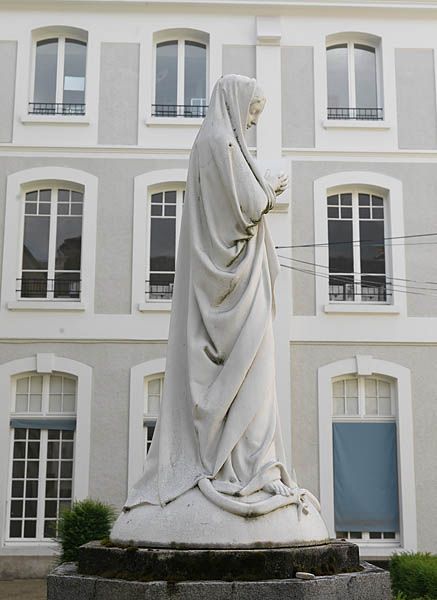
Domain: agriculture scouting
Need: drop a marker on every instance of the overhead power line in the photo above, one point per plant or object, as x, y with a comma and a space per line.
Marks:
365, 242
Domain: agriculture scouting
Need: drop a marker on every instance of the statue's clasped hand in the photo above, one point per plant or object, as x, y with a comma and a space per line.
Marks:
278, 182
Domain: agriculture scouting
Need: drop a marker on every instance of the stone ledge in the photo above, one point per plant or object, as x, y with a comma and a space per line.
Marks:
371, 583
153, 564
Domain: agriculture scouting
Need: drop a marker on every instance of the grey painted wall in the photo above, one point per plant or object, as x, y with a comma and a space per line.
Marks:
119, 85
8, 63
420, 213
307, 358
242, 61
114, 218
111, 365
416, 101
297, 97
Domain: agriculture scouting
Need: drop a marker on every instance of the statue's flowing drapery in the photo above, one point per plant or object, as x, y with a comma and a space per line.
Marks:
218, 417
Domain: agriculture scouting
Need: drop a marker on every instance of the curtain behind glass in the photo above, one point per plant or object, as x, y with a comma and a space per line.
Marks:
45, 71
167, 73
338, 78
195, 74
74, 72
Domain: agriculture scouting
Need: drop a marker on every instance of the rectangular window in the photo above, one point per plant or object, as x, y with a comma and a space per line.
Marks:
52, 244
356, 239
41, 481
152, 401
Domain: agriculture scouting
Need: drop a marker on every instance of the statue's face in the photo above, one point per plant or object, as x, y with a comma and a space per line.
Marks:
255, 109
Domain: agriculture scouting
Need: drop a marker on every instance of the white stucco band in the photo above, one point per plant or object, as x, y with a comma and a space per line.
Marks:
391, 189
136, 416
13, 238
366, 365
46, 363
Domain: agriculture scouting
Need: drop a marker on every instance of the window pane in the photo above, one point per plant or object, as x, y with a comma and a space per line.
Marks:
341, 258
365, 76
166, 73
351, 388
370, 387
162, 244
68, 243
55, 403
383, 389
339, 407
74, 72
35, 403
45, 71
195, 75
338, 389
371, 406
338, 79
36, 242
21, 403
372, 246
384, 406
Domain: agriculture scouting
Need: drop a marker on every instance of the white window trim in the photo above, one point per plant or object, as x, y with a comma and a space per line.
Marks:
59, 32
17, 183
362, 365
141, 227
45, 364
375, 42
180, 35
391, 190
136, 416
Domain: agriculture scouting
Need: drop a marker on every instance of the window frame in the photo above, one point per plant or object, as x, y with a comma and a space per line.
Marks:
161, 188
143, 184
365, 365
17, 183
150, 418
180, 36
350, 39
54, 187
44, 364
61, 34
136, 451
42, 478
355, 191
391, 190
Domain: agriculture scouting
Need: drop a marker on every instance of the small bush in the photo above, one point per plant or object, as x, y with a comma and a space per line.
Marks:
414, 576
87, 520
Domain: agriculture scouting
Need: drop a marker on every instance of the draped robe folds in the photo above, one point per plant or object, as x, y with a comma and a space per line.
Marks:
218, 417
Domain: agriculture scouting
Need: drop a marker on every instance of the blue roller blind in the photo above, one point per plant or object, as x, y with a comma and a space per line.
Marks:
64, 424
365, 477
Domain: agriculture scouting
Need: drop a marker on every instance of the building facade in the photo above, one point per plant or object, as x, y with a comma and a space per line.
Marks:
100, 104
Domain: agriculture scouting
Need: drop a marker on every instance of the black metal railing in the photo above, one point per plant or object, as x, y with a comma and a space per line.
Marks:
159, 291
56, 108
349, 291
178, 110
358, 114
30, 287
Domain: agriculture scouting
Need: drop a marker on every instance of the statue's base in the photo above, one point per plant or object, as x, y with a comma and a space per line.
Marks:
193, 521
64, 583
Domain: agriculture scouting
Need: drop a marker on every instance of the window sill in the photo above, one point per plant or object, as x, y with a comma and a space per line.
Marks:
56, 119
174, 121
355, 124
378, 550
154, 306
374, 309
46, 305
27, 547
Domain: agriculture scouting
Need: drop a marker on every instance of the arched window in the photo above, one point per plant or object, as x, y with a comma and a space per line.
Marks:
366, 454
52, 242
43, 422
366, 499
356, 240
165, 214
180, 74
152, 401
59, 72
353, 77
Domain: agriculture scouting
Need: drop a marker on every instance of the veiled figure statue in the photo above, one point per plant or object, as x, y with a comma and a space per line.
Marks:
219, 427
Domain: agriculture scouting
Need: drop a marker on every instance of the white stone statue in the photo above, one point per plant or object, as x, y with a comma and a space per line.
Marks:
217, 448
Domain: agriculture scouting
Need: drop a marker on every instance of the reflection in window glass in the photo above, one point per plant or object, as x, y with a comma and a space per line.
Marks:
365, 76
46, 62
74, 72
195, 74
338, 79
166, 81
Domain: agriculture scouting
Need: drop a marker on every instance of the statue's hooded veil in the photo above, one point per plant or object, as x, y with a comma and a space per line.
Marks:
218, 415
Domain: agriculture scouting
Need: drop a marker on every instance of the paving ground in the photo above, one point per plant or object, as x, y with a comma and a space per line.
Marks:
23, 589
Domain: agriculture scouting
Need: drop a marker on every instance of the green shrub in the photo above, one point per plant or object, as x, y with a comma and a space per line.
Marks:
87, 520
414, 576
